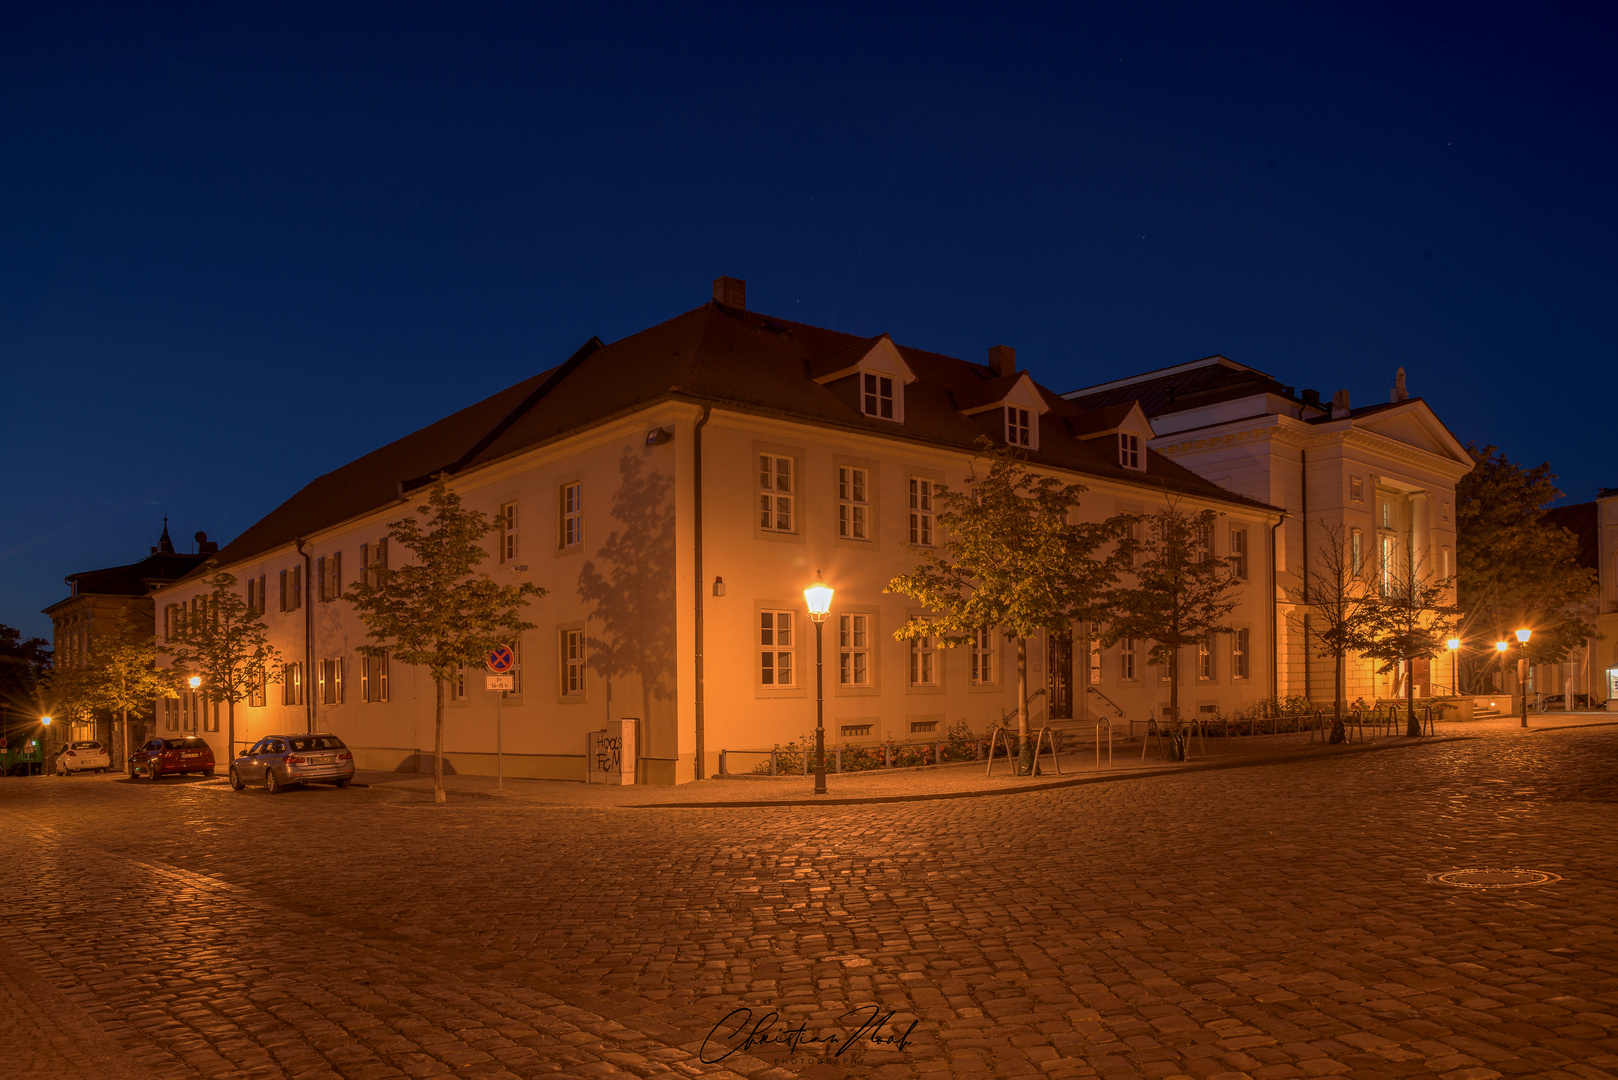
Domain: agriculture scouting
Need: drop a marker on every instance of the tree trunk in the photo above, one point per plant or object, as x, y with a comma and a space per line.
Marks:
124, 713
230, 730
1412, 725
1339, 732
1175, 743
438, 747
1025, 750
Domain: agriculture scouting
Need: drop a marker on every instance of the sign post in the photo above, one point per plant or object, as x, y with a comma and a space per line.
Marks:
501, 660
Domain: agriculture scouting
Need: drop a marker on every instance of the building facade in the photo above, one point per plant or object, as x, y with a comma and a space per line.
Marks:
1593, 670
674, 493
1381, 477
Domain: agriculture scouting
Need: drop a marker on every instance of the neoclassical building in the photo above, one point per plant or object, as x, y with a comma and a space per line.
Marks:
675, 492
1593, 670
1383, 475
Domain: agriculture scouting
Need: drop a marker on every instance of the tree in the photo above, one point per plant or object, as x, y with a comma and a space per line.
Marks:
226, 644
1009, 560
123, 672
25, 667
1513, 568
1408, 620
1335, 594
435, 613
1181, 596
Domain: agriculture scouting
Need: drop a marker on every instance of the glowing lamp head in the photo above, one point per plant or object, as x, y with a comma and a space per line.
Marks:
46, 720
1452, 644
194, 681
818, 597
1523, 635
1501, 646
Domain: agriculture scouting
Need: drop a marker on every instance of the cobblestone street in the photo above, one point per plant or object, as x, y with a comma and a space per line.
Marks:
1268, 921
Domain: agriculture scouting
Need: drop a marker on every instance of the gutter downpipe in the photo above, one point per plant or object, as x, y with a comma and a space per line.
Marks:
1275, 611
1303, 484
696, 528
309, 681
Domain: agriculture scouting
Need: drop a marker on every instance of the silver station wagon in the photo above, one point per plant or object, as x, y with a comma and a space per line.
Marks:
280, 761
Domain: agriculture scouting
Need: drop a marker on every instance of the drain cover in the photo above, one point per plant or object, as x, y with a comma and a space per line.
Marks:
1493, 879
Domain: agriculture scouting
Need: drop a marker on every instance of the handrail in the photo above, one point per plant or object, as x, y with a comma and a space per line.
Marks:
1108, 700
1007, 714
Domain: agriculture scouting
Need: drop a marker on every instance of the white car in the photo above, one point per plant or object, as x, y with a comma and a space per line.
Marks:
83, 756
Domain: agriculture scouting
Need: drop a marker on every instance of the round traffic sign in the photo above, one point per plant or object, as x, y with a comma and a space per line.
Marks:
502, 659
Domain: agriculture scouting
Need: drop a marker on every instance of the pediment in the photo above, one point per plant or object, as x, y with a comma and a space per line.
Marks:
1018, 390
878, 355
1417, 426
1100, 423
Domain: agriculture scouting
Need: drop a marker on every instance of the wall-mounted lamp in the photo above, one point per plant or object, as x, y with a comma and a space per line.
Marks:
719, 586
658, 436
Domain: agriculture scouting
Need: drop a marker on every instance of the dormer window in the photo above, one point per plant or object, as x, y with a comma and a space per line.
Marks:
877, 396
1018, 432
1128, 450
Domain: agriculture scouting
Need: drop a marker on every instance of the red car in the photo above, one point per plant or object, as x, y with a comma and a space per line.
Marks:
166, 757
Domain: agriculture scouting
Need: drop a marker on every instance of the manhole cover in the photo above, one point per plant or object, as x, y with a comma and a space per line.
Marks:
1493, 879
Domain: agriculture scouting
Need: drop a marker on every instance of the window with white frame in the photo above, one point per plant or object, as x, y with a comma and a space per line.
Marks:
372, 559
1240, 660
1201, 541
983, 664
455, 686
921, 511
571, 503
508, 532
1389, 566
1095, 658
776, 646
1446, 562
1238, 553
1128, 450
573, 663
1205, 659
924, 660
775, 493
1356, 489
876, 397
1356, 552
256, 694
331, 682
292, 684
1126, 659
329, 577
171, 714
1018, 430
374, 678
853, 503
854, 650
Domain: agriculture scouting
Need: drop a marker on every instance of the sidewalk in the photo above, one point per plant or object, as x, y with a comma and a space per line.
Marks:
965, 780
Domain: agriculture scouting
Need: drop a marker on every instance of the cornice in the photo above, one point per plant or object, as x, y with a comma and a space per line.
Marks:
1289, 432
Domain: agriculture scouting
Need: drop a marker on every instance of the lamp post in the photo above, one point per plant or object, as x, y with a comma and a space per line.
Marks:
1522, 674
818, 596
1453, 645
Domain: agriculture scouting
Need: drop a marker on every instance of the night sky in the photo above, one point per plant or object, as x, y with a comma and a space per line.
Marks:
243, 244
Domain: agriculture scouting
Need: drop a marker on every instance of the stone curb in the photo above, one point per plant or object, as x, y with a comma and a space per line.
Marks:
1139, 774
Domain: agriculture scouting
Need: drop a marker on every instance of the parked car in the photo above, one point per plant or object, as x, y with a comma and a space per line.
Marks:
166, 757
280, 761
86, 755
1555, 701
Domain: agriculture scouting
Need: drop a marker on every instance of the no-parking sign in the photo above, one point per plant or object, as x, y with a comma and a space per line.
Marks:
502, 659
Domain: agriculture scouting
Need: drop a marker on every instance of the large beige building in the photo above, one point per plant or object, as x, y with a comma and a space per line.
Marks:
1382, 476
1593, 670
675, 492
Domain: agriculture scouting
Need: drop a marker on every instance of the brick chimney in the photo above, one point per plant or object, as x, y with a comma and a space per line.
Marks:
1339, 405
1311, 399
1003, 359
731, 292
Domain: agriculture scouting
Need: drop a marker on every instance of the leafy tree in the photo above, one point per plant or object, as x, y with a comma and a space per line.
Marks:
227, 645
1513, 568
25, 671
1336, 596
1010, 560
124, 674
1411, 618
434, 612
1181, 596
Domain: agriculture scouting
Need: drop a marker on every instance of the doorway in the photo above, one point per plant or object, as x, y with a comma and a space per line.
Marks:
1059, 681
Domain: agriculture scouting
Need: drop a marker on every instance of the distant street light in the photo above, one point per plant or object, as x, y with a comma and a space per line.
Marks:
1523, 672
1453, 645
818, 597
194, 681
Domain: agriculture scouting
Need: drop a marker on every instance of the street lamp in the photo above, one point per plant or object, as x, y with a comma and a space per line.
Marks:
1522, 673
1453, 645
194, 681
818, 597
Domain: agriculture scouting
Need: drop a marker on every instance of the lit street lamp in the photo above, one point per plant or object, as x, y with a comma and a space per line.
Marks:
1522, 672
194, 681
1453, 645
818, 596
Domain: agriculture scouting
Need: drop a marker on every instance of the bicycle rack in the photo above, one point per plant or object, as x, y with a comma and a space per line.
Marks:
1046, 737
994, 739
1099, 721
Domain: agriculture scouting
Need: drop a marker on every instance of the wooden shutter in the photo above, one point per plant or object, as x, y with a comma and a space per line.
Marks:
297, 587
365, 564
320, 578
283, 590
336, 575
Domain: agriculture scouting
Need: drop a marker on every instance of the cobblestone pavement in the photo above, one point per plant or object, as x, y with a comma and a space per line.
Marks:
1268, 922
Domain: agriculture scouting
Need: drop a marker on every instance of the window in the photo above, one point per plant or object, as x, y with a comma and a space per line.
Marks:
924, 660
1356, 552
252, 595
921, 511
371, 559
329, 577
573, 663
455, 686
1356, 489
169, 619
508, 532
1126, 659
572, 503
854, 730
919, 726
1205, 659
1240, 643
516, 668
171, 714
775, 493
854, 650
1095, 658
189, 702
1446, 566
1017, 427
256, 695
775, 648
853, 504
1201, 542
983, 658
331, 682
1128, 450
1238, 552
210, 714
374, 677
877, 396
292, 589
1387, 514
1390, 555
292, 684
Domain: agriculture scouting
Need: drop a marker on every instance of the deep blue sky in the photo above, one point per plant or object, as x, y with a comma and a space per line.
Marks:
242, 244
